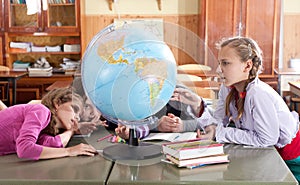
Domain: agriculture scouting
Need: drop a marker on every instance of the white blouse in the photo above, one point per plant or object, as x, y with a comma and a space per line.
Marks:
266, 119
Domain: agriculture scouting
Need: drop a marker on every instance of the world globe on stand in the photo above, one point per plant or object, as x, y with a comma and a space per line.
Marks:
128, 73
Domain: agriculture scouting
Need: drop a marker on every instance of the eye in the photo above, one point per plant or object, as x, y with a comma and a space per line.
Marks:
76, 108
224, 63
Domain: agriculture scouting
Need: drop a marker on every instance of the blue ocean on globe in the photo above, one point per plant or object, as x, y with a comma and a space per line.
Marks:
128, 73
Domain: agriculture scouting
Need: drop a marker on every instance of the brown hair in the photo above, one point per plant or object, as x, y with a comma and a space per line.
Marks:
246, 49
57, 97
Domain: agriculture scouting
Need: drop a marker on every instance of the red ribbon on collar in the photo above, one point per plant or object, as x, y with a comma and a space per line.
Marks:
242, 94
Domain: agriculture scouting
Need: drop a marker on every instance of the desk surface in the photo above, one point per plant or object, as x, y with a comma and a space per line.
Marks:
246, 166
59, 84
286, 71
69, 170
295, 87
12, 74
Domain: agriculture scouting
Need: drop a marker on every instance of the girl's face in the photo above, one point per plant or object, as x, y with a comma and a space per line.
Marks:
89, 112
68, 114
231, 69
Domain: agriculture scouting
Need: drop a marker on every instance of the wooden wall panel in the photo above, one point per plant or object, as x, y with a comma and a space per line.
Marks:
178, 29
220, 22
291, 41
262, 24
259, 20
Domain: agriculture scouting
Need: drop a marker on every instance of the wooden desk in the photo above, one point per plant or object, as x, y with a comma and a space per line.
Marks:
12, 76
246, 166
284, 76
69, 170
59, 84
202, 85
295, 87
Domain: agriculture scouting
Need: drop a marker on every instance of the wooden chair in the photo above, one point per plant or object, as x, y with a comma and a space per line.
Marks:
4, 87
204, 88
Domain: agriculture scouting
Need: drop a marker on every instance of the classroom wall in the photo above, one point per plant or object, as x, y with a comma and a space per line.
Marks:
96, 7
291, 31
178, 12
183, 12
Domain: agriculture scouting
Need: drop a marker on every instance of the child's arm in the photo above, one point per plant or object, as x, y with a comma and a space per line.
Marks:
2, 105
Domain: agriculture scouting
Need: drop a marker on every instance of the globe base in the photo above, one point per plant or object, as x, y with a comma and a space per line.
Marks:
128, 152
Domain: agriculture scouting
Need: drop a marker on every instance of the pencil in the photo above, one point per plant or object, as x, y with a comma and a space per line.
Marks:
105, 137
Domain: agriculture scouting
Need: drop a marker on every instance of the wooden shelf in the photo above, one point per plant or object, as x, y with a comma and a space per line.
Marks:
46, 53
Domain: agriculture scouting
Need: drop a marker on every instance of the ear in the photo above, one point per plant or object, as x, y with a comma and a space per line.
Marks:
248, 66
55, 106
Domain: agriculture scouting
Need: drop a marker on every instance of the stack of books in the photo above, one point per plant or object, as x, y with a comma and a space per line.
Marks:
20, 65
194, 153
20, 46
70, 66
71, 47
40, 72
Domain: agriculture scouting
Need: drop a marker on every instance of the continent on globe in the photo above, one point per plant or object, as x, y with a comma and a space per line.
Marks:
154, 72
128, 74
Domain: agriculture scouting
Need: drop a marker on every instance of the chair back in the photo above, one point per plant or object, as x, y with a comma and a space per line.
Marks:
193, 69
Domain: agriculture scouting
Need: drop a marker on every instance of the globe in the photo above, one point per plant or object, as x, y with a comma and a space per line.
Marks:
128, 73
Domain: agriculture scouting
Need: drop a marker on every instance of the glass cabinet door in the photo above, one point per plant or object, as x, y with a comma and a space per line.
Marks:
19, 20
2, 28
62, 15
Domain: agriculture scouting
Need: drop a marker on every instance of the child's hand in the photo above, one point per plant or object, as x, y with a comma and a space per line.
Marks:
188, 97
208, 133
81, 149
102, 123
170, 123
85, 128
122, 131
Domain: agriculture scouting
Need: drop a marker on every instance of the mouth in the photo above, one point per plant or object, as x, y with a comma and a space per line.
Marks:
222, 78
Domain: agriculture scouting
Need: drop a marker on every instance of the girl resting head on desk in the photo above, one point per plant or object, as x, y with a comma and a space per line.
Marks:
42, 131
249, 111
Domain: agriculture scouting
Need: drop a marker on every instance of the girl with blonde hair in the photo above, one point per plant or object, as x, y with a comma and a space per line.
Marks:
249, 111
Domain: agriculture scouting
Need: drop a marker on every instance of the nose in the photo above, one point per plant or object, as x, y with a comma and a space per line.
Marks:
77, 117
219, 70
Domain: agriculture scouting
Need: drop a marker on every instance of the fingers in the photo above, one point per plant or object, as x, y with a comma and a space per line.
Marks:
198, 133
82, 149
122, 131
102, 123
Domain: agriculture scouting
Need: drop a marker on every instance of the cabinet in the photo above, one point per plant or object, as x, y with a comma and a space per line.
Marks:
48, 39
50, 17
257, 19
55, 23
2, 29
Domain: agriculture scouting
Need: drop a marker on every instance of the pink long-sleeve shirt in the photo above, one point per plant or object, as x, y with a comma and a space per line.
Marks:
20, 127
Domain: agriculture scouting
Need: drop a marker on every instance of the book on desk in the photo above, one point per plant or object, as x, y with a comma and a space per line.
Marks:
192, 148
199, 161
194, 153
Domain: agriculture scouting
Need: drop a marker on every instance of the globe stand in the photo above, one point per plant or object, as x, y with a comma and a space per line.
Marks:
133, 151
